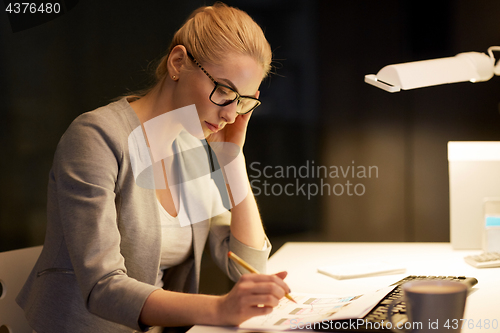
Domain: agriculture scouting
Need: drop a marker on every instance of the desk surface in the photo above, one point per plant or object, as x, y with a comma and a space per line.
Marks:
301, 260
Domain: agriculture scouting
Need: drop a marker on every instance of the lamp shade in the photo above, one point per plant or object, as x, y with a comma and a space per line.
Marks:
468, 66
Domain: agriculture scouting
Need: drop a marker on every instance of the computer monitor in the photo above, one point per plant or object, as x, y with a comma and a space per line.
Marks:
474, 174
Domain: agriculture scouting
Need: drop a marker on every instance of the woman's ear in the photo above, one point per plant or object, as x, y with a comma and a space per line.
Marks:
176, 60
257, 94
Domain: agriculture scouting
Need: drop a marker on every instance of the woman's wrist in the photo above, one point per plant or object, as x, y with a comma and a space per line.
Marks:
212, 310
170, 309
218, 311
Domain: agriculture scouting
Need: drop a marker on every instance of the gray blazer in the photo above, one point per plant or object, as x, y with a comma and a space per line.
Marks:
102, 247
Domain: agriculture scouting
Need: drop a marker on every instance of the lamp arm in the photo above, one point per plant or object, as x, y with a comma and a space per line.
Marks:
496, 68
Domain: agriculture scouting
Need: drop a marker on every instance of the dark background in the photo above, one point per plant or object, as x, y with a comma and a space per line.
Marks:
316, 108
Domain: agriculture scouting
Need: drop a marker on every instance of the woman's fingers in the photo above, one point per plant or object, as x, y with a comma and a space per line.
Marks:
281, 275
268, 289
252, 295
259, 311
268, 300
262, 278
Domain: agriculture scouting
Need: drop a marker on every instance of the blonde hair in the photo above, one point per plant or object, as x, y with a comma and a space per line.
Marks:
211, 32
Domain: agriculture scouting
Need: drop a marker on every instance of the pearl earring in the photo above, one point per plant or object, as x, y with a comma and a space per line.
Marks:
174, 77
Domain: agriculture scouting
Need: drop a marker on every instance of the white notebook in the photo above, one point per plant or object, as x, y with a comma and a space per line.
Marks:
358, 270
314, 308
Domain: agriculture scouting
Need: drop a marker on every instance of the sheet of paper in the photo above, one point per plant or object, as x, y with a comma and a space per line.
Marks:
357, 270
311, 308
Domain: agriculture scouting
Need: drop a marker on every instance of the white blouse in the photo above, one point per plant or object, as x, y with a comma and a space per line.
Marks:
176, 242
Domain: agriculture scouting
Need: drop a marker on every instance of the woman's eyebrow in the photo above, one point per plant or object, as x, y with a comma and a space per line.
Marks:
229, 83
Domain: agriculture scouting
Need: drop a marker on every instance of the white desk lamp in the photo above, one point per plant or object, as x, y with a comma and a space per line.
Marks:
468, 66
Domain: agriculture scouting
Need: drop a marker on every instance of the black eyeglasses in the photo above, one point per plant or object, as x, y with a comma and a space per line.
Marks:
223, 95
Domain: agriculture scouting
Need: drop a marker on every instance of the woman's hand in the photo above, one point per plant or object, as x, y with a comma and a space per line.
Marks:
234, 133
253, 295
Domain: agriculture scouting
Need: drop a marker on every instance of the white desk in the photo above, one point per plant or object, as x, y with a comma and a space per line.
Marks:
302, 259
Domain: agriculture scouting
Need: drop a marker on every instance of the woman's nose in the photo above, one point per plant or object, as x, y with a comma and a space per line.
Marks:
228, 112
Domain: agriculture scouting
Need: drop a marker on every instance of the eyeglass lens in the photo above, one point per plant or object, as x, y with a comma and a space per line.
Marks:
224, 96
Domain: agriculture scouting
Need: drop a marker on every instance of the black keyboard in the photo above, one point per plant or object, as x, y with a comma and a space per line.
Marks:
372, 322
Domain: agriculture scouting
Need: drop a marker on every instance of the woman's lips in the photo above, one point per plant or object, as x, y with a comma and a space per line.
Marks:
212, 127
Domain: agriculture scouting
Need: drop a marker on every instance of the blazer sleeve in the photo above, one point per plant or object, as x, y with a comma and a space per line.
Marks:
221, 241
85, 171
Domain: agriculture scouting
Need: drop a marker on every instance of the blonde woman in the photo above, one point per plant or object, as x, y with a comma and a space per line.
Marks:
131, 203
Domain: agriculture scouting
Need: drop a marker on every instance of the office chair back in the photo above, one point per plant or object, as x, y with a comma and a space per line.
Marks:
15, 267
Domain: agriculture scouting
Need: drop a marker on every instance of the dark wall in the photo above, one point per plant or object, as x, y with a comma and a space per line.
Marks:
55, 71
316, 108
405, 134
